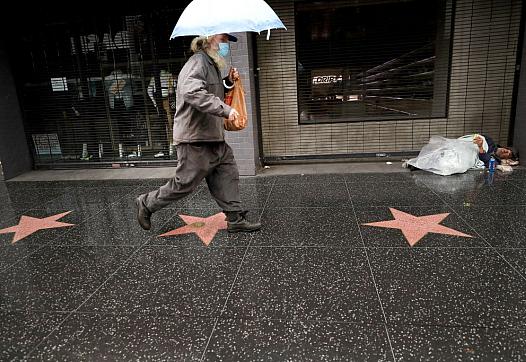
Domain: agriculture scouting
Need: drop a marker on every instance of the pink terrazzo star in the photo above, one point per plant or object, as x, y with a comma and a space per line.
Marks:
29, 225
204, 227
415, 228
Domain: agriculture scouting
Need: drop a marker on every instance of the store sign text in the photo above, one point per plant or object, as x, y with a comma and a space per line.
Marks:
88, 43
327, 79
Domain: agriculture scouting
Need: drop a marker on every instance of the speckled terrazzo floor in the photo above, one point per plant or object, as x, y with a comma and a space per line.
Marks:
400, 266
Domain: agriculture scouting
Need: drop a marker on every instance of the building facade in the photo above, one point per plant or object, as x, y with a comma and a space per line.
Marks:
449, 73
366, 78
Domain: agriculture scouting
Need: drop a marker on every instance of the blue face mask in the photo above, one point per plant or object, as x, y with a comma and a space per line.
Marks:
224, 49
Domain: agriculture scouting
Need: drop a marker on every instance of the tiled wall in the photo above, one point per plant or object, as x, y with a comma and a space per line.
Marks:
480, 95
245, 142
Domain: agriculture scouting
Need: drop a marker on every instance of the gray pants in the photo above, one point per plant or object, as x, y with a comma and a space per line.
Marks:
213, 161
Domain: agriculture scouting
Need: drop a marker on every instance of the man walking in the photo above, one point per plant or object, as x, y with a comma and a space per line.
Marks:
198, 133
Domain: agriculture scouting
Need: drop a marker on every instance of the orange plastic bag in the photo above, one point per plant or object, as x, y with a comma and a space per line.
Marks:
235, 98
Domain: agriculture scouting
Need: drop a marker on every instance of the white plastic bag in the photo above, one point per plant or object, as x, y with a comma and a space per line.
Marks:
444, 156
479, 165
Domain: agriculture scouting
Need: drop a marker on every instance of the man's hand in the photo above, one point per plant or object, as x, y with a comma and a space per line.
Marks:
479, 142
233, 75
233, 116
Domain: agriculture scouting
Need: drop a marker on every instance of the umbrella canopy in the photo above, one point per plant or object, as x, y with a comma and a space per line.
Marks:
209, 17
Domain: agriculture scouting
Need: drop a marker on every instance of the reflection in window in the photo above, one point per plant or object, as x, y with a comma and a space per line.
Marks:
372, 60
103, 86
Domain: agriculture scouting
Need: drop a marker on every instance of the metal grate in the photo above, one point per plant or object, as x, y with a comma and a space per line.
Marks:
358, 78
98, 88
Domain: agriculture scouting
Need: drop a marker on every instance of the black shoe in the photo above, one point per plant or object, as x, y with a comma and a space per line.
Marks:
239, 223
143, 214
243, 226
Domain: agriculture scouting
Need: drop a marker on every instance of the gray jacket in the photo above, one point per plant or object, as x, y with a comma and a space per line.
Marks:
199, 102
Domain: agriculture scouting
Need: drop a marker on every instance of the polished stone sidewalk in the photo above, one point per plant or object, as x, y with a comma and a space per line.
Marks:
358, 266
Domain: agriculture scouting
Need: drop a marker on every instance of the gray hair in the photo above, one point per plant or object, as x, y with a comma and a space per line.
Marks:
202, 43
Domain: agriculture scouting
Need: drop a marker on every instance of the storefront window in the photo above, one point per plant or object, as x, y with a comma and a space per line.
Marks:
372, 60
100, 88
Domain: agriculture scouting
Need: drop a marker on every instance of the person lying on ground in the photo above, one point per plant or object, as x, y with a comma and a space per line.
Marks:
445, 156
495, 150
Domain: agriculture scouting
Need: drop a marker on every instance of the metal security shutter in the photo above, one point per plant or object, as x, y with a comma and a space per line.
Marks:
478, 98
96, 85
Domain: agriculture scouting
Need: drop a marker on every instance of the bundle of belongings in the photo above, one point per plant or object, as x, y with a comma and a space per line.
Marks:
445, 156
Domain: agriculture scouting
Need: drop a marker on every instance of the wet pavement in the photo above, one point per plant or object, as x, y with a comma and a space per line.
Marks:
399, 266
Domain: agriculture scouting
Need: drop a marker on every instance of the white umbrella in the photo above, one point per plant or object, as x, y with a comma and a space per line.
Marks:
209, 17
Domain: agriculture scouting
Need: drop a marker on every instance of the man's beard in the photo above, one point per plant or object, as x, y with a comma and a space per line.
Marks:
218, 59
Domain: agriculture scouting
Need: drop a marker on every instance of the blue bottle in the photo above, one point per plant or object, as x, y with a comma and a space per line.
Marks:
491, 165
